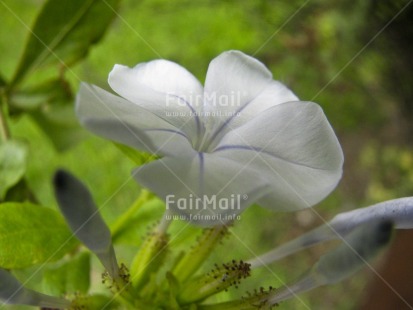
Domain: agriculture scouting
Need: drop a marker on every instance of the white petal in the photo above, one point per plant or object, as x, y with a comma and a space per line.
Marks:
294, 146
184, 184
233, 80
275, 93
163, 88
160, 75
117, 119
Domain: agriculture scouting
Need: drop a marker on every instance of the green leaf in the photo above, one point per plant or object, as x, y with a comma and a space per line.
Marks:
63, 33
20, 192
12, 164
59, 123
31, 234
40, 96
69, 277
51, 106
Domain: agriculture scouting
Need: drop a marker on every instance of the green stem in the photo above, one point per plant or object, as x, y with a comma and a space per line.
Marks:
219, 279
128, 217
149, 259
192, 260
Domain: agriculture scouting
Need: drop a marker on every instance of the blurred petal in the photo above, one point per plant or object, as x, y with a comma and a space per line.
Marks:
13, 292
83, 217
233, 81
398, 211
161, 87
315, 236
298, 153
206, 189
117, 119
359, 247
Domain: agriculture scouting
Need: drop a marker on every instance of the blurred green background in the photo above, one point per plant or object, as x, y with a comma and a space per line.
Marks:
351, 57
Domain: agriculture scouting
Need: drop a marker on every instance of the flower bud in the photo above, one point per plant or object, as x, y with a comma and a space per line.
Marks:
82, 215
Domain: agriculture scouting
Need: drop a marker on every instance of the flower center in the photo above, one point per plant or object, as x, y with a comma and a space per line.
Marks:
207, 139
204, 142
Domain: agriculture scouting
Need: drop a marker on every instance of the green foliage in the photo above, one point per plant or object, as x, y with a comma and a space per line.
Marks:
69, 277
32, 98
131, 225
63, 33
59, 123
26, 231
396, 179
61, 36
13, 156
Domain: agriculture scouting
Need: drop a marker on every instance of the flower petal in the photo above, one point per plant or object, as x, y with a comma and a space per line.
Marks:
163, 88
233, 81
199, 190
117, 119
275, 93
294, 146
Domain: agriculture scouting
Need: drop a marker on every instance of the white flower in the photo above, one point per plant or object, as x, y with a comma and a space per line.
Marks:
240, 139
